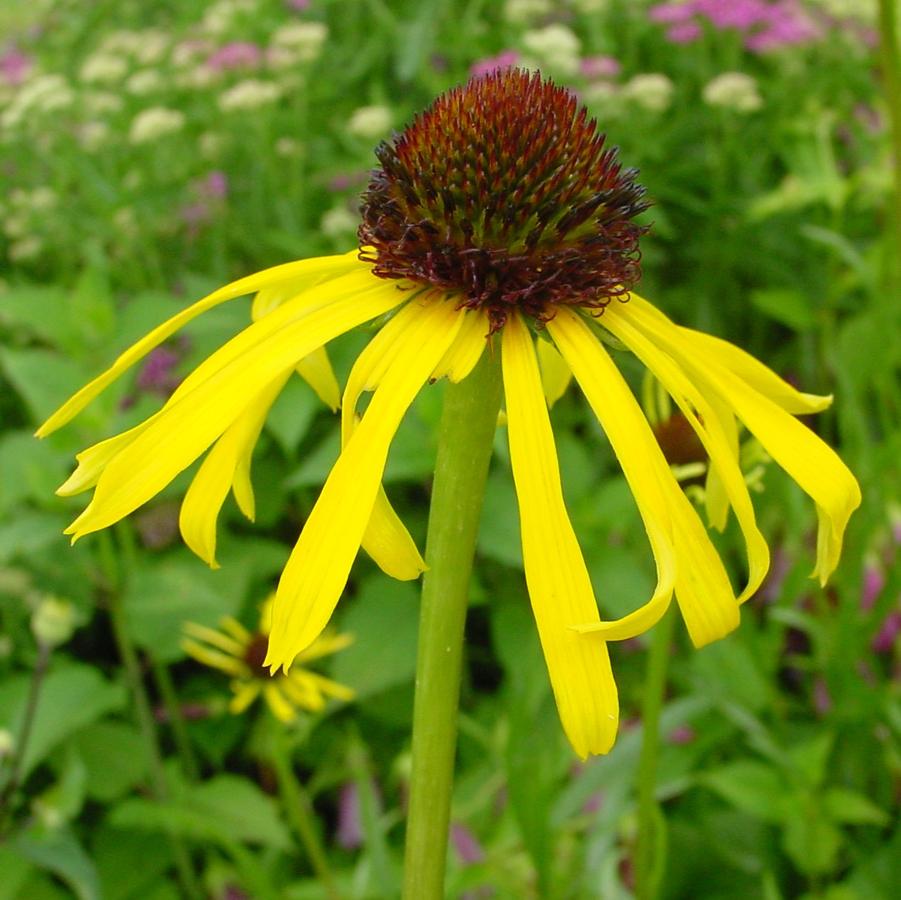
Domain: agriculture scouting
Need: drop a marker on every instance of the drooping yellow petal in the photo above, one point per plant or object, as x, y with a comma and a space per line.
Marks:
760, 377
559, 586
316, 370
182, 431
555, 373
215, 638
325, 645
466, 350
301, 691
812, 463
330, 688
215, 659
93, 460
386, 538
716, 499
702, 586
708, 427
631, 437
308, 268
209, 488
319, 565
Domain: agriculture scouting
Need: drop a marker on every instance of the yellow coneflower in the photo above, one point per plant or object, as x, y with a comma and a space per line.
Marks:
496, 220
238, 652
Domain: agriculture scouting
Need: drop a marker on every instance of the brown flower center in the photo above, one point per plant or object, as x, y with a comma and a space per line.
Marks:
502, 191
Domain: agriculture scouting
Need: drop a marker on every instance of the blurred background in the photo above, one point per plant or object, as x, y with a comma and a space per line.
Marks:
148, 153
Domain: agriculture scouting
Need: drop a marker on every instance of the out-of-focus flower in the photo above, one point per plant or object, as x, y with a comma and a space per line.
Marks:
53, 621
587, 7
349, 833
154, 123
7, 743
240, 653
92, 135
158, 375
236, 55
187, 53
681, 735
504, 60
651, 91
888, 633
298, 5
39, 95
15, 66
733, 90
555, 47
683, 32
101, 103
214, 186
126, 222
787, 27
288, 147
223, 15
339, 222
304, 39
600, 67
369, 122
211, 144
466, 844
25, 249
153, 45
822, 698
519, 12
250, 94
873, 583
146, 81
103, 68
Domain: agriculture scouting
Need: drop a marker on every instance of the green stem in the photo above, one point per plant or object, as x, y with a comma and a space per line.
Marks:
8, 794
891, 74
648, 861
298, 807
169, 696
464, 450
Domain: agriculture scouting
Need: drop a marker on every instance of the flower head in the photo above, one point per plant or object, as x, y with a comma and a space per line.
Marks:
240, 653
499, 223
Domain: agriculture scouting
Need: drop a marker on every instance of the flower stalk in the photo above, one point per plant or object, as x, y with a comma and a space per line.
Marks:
648, 856
464, 449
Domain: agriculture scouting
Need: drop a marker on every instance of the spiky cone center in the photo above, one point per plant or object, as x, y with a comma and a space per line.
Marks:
503, 192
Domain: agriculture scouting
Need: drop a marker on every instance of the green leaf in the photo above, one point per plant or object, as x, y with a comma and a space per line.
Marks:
811, 841
383, 619
71, 697
752, 787
292, 414
29, 468
59, 852
499, 526
225, 809
42, 379
788, 307
127, 863
16, 869
114, 757
161, 596
808, 759
30, 533
851, 808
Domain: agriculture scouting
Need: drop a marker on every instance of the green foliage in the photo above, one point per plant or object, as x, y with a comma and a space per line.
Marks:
781, 744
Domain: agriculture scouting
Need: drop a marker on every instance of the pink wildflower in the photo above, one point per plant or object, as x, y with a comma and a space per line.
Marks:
236, 55
504, 60
14, 66
600, 67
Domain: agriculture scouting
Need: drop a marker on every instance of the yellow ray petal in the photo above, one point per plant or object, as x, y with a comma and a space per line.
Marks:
320, 562
631, 437
558, 582
330, 688
316, 370
209, 488
716, 499
702, 587
708, 427
555, 373
763, 379
93, 460
301, 691
386, 538
276, 701
245, 693
183, 431
215, 638
325, 645
812, 463
466, 350
303, 268
215, 659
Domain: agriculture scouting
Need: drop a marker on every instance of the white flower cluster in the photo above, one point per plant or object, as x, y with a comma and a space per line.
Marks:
651, 91
251, 93
519, 12
555, 48
39, 95
299, 42
369, 122
733, 90
154, 123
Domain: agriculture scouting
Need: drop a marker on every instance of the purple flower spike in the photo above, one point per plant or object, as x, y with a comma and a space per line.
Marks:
350, 823
888, 633
466, 844
683, 32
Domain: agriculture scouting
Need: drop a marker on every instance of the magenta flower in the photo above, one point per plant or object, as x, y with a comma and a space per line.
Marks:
14, 66
504, 60
157, 375
466, 844
600, 67
236, 55
683, 32
873, 583
214, 186
888, 633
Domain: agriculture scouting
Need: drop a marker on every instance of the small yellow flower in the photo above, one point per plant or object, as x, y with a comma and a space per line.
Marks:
497, 221
240, 653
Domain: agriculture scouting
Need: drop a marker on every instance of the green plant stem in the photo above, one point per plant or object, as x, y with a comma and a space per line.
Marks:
132, 666
7, 795
464, 450
299, 810
176, 719
648, 864
891, 75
